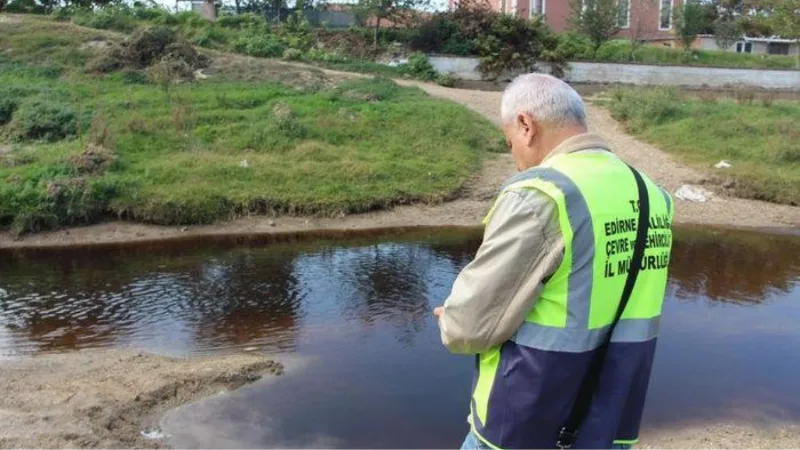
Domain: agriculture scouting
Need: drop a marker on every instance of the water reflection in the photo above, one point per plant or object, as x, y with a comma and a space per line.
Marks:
360, 307
734, 267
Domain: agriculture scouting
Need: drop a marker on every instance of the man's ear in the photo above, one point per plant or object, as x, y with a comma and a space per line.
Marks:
528, 126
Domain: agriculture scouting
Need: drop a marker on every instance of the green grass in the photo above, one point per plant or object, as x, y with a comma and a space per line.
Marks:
330, 148
760, 139
619, 51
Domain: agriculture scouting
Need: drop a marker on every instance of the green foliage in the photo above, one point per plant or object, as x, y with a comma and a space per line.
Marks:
8, 104
43, 119
445, 80
515, 44
727, 32
419, 67
110, 17
620, 50
574, 46
689, 21
133, 77
259, 41
595, 19
240, 21
641, 108
292, 54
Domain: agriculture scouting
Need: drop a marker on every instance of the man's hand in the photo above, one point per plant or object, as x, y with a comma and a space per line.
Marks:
438, 311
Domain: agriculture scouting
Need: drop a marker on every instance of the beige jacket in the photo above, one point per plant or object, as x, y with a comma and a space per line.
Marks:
522, 246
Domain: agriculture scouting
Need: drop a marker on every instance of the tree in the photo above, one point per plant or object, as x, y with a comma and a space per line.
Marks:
596, 19
640, 14
727, 32
781, 17
390, 10
689, 20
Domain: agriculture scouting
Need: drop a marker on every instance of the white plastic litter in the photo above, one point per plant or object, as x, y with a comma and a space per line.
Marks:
722, 165
691, 193
244, 164
153, 434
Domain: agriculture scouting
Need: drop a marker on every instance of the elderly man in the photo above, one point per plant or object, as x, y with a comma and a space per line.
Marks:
561, 304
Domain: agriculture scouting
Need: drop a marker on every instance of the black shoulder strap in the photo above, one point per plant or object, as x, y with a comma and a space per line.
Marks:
583, 401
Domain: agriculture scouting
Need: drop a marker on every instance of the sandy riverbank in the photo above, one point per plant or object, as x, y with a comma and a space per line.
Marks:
106, 398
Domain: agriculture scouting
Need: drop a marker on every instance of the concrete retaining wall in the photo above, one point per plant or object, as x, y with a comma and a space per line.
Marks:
641, 74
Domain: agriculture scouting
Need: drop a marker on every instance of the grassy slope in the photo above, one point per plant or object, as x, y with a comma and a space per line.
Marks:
356, 146
761, 142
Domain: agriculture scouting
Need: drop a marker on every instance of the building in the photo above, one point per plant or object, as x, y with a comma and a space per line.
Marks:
756, 45
649, 20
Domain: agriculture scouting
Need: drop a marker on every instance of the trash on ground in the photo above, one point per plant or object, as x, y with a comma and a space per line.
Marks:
153, 434
692, 193
722, 165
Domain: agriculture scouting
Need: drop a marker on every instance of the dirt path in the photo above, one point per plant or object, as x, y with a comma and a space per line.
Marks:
720, 210
105, 399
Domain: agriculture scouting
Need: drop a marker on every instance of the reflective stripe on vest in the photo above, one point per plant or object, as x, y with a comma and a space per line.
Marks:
595, 195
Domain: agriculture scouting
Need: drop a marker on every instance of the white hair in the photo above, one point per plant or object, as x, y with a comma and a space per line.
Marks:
545, 98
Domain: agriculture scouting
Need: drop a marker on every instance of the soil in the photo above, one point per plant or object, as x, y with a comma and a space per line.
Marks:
108, 398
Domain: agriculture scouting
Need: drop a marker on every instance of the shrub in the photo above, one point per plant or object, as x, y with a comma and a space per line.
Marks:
111, 17
515, 44
210, 37
574, 46
258, 41
8, 104
292, 54
708, 96
45, 119
240, 21
133, 77
318, 54
419, 67
445, 80
768, 99
641, 108
744, 95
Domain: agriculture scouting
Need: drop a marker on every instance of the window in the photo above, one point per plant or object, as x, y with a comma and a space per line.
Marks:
778, 48
537, 7
624, 14
744, 47
665, 16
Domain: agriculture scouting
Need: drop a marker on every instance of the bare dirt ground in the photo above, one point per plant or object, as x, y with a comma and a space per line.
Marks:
721, 210
105, 398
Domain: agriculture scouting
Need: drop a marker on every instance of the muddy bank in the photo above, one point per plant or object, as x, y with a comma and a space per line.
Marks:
723, 435
105, 398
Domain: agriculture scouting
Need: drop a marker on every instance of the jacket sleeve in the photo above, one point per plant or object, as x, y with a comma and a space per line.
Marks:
493, 294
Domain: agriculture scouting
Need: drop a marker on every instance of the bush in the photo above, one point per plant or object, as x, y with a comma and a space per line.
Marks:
744, 95
133, 77
258, 41
574, 46
7, 107
445, 80
112, 17
292, 54
211, 37
515, 44
641, 108
240, 21
318, 54
41, 118
419, 67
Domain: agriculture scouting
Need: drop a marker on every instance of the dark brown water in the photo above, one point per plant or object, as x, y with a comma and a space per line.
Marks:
357, 313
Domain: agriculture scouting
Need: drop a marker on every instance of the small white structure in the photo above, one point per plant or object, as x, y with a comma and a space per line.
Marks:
756, 45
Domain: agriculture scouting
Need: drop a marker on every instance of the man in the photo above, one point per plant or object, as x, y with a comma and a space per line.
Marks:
539, 303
